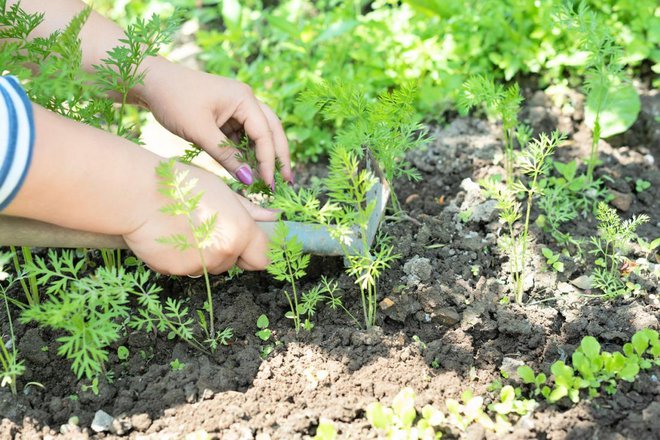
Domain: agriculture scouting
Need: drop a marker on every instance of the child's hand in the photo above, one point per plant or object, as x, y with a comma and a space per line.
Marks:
207, 110
238, 240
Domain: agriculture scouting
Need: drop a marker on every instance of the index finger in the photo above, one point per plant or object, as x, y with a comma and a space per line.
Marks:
255, 123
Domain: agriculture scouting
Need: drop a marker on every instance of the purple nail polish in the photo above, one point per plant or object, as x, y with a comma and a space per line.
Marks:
244, 174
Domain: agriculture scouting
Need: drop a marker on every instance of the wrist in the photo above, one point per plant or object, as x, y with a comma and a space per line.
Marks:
158, 72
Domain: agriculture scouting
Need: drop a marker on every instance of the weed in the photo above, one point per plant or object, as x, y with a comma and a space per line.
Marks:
262, 324
642, 185
177, 365
122, 353
610, 249
552, 259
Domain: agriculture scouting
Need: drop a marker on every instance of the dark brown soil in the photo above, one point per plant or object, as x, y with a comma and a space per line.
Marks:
445, 290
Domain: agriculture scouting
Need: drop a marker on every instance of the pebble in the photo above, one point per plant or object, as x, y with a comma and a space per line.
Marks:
582, 282
419, 268
621, 201
102, 421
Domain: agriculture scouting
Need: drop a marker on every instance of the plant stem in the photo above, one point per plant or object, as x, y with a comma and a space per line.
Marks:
593, 158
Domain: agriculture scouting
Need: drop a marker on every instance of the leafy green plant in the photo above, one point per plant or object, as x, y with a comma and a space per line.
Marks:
123, 353
398, 421
565, 197
326, 430
177, 365
501, 103
642, 185
594, 369
262, 324
533, 163
289, 264
176, 186
552, 259
87, 309
610, 248
612, 103
509, 402
12, 367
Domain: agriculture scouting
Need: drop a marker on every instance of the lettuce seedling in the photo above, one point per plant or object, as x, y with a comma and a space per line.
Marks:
398, 421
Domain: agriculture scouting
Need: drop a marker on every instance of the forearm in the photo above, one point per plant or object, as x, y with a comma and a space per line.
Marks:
84, 178
97, 37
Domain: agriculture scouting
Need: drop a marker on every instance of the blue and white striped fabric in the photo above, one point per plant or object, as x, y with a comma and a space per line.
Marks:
16, 138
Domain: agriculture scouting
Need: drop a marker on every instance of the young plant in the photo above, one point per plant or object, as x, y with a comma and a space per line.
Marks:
27, 280
398, 421
176, 186
612, 103
262, 324
533, 163
89, 310
552, 259
610, 248
565, 197
289, 264
12, 368
500, 103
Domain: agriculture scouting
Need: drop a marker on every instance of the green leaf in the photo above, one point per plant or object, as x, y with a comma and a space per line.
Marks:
526, 374
620, 112
629, 371
547, 252
379, 416
264, 334
640, 342
263, 322
590, 347
404, 407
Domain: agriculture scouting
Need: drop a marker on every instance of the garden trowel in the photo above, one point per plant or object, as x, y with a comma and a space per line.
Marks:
316, 239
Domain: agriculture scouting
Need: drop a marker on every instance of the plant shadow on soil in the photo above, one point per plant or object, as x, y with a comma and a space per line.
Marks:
445, 290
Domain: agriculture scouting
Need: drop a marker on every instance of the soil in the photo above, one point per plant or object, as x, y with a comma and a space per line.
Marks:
441, 330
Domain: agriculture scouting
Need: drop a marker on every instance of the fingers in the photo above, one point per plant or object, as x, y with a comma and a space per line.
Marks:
212, 141
280, 141
257, 127
258, 213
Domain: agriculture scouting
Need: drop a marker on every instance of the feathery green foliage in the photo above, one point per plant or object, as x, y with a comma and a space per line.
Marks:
533, 163
180, 189
610, 248
499, 102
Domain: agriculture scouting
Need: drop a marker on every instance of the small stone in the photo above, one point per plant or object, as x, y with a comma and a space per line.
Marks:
621, 201
582, 282
386, 304
564, 287
484, 212
102, 421
649, 159
368, 337
419, 268
411, 198
141, 422
446, 316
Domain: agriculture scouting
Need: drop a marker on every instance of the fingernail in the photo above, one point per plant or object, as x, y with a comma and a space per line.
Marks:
293, 178
272, 186
244, 174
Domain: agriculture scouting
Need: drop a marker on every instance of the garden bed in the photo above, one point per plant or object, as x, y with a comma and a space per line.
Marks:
441, 327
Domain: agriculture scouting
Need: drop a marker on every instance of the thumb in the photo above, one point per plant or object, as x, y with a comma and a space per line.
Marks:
258, 213
216, 144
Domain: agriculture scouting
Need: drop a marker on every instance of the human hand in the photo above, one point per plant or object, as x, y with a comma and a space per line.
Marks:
237, 240
207, 110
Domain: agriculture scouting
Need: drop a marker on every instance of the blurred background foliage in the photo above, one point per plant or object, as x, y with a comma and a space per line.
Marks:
281, 47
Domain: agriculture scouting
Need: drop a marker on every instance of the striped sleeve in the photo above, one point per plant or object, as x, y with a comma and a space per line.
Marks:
16, 138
